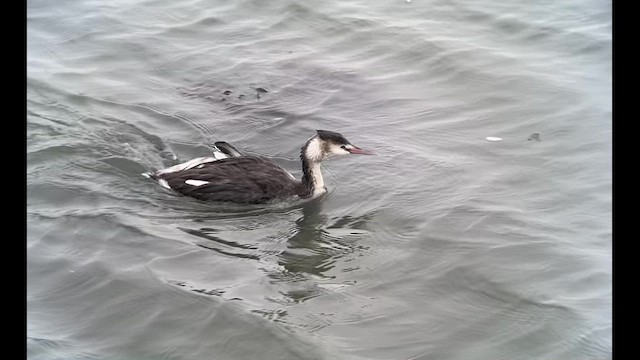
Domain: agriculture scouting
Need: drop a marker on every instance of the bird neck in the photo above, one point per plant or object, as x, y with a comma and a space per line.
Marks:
310, 156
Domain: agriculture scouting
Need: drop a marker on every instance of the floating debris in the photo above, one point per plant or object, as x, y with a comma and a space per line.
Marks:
227, 92
260, 91
534, 136
491, 138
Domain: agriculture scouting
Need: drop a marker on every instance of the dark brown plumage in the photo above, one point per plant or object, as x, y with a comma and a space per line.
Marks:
232, 176
244, 179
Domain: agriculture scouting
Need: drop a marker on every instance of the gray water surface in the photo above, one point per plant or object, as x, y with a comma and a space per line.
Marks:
443, 246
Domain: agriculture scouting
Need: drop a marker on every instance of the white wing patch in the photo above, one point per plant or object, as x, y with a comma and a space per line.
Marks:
187, 165
196, 182
219, 155
164, 183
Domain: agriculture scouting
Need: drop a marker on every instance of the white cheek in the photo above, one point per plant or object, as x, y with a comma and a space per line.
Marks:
337, 150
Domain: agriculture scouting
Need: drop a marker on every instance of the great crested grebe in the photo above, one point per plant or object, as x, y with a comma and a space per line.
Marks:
232, 176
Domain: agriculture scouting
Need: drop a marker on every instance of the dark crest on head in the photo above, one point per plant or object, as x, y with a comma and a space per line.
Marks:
333, 137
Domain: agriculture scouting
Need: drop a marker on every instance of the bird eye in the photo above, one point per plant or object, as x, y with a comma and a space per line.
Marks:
343, 147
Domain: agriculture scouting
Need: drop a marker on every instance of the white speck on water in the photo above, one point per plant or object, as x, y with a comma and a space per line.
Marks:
491, 138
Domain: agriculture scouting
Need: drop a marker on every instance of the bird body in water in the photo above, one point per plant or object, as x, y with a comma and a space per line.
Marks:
231, 176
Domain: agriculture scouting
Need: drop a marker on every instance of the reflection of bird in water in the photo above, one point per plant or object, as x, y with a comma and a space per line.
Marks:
315, 250
305, 254
316, 245
304, 251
